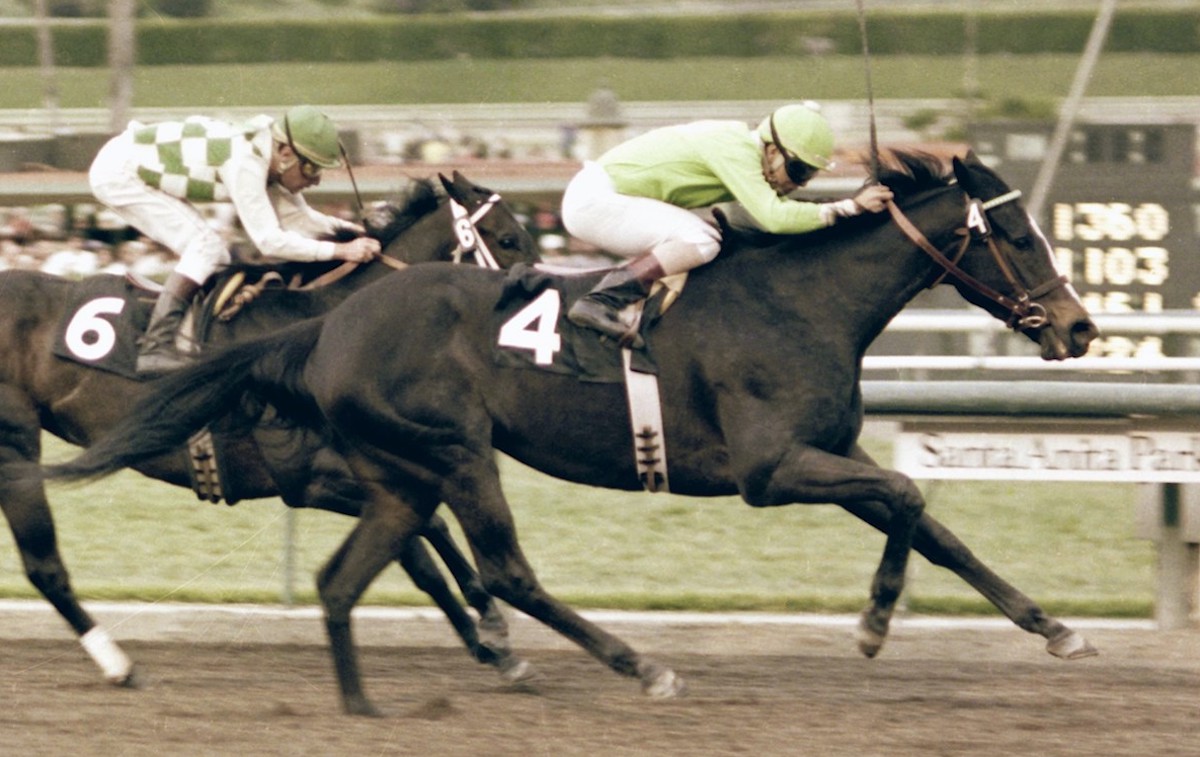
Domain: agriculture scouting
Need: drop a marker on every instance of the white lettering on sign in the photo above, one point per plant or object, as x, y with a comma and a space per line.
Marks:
1152, 456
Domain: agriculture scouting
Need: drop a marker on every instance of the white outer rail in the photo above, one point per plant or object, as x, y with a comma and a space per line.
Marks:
850, 116
1179, 322
1022, 363
964, 321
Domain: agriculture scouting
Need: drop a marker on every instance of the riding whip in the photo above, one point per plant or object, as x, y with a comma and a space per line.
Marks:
862, 33
362, 220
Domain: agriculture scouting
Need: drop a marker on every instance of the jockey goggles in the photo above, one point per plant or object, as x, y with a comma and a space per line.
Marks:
797, 170
308, 169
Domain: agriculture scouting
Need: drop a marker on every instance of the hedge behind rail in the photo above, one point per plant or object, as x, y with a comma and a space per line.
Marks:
433, 37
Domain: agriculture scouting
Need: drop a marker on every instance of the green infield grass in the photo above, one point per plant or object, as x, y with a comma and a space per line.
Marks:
1069, 546
1001, 79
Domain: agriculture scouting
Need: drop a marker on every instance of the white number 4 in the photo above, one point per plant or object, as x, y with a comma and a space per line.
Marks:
534, 328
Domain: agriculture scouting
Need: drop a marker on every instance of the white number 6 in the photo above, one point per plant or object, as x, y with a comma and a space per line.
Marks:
89, 336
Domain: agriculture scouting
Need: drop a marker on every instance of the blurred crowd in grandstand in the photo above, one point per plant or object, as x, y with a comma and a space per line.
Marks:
83, 240
76, 242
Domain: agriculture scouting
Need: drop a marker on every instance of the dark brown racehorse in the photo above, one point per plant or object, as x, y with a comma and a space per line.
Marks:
79, 402
758, 363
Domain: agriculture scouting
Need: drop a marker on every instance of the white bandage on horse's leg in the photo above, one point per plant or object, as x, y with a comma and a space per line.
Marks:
105, 652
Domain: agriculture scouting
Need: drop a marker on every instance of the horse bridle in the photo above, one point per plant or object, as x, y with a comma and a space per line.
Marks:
465, 229
469, 238
1023, 312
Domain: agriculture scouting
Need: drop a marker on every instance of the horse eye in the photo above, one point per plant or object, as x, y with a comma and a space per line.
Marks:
509, 242
1023, 243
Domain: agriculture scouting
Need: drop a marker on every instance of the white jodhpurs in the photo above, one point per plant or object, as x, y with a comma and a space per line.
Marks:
593, 210
171, 222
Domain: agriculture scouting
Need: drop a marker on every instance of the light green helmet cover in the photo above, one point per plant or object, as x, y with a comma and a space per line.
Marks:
803, 131
313, 135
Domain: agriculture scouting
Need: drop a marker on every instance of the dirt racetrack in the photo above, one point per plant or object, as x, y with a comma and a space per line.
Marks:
230, 682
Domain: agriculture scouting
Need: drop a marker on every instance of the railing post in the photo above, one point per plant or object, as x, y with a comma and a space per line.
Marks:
1169, 515
288, 592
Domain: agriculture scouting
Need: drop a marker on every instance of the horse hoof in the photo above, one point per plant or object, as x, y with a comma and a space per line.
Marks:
131, 680
662, 683
870, 641
1071, 646
516, 670
360, 707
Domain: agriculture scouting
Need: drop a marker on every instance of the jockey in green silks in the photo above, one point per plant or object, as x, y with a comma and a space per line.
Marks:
636, 200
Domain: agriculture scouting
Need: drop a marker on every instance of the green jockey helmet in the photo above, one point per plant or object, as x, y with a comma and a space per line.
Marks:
800, 132
311, 134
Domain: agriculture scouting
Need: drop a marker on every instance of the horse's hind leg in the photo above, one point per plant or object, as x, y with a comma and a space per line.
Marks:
492, 628
487, 521
329, 484
23, 501
941, 547
419, 565
388, 523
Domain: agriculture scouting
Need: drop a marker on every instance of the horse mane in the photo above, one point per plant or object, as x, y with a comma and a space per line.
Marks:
911, 172
418, 200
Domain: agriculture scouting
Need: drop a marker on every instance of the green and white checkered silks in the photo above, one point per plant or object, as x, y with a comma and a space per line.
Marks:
182, 157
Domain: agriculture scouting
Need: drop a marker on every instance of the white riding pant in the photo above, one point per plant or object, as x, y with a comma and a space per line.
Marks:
167, 220
624, 225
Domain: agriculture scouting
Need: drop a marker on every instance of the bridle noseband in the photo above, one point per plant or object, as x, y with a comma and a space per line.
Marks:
469, 238
1023, 312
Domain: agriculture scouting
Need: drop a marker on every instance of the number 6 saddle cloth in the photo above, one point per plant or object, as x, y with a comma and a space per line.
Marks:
102, 323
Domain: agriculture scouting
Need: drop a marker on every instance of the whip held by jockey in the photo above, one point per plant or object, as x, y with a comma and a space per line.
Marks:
153, 176
637, 199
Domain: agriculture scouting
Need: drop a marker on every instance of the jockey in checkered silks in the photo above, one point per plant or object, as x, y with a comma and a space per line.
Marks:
153, 176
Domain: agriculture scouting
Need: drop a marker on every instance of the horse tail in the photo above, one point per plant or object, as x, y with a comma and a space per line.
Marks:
186, 401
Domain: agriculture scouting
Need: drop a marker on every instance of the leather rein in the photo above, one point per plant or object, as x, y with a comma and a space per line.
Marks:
470, 242
1023, 312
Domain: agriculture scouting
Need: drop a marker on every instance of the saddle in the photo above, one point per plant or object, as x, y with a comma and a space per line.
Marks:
106, 316
533, 332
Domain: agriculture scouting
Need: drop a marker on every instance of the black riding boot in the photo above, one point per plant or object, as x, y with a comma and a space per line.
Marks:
600, 308
157, 352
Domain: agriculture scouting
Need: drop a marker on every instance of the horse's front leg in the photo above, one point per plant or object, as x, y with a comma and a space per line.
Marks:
811, 476
941, 547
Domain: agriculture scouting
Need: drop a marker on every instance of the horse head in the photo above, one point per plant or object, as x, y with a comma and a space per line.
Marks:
486, 227
1002, 262
471, 214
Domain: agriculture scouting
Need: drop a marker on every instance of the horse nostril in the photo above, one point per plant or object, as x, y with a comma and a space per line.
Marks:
1082, 334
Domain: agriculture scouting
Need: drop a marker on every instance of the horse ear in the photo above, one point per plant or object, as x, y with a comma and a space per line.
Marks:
449, 186
962, 169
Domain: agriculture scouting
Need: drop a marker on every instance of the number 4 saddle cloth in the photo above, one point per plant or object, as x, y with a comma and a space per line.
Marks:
532, 331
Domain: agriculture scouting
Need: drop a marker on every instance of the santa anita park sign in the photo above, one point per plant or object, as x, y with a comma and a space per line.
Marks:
1049, 451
